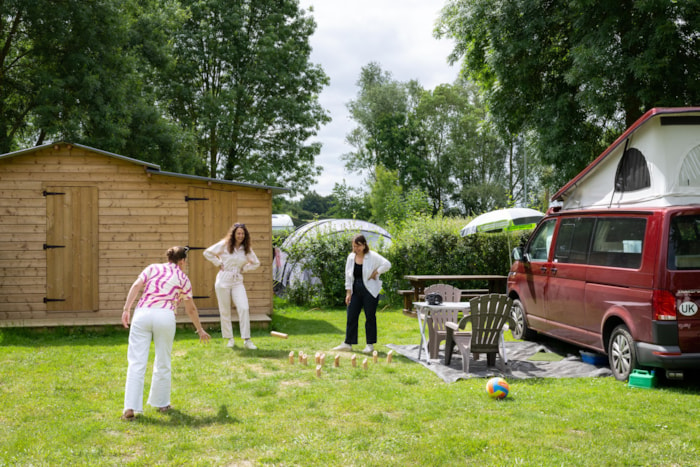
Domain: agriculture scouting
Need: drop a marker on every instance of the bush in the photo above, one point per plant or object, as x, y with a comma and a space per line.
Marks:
323, 258
423, 245
434, 246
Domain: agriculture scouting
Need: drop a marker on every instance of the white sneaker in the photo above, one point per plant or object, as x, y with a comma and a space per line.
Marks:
230, 343
248, 344
368, 349
343, 346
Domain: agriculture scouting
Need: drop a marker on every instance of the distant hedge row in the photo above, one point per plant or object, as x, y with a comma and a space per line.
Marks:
423, 246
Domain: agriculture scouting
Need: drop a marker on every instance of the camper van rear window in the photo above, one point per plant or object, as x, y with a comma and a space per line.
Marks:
684, 243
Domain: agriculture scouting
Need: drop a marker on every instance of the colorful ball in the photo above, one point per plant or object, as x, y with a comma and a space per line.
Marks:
497, 388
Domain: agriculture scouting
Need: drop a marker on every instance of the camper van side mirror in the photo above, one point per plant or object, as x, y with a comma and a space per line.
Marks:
518, 254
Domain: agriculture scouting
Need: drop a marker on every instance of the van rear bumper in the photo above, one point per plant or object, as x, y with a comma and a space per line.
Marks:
668, 357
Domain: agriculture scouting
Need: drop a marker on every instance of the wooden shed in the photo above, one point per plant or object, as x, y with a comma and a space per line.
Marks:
77, 226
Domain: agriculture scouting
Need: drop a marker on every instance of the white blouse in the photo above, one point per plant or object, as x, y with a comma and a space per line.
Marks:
232, 265
372, 261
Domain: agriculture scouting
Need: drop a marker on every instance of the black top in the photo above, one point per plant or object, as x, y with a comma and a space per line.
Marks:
357, 272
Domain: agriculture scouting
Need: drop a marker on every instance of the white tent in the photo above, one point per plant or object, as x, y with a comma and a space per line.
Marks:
284, 272
656, 162
503, 219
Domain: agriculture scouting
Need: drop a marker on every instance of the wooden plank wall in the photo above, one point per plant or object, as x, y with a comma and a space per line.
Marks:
140, 216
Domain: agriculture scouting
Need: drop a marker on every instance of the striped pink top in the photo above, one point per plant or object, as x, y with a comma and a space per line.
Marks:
165, 286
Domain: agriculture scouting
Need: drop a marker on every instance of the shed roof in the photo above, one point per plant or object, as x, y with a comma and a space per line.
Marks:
150, 167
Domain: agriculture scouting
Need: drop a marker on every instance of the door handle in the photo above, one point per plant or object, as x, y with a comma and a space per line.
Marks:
543, 269
554, 271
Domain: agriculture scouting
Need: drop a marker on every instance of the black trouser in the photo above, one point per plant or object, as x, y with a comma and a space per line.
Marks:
361, 298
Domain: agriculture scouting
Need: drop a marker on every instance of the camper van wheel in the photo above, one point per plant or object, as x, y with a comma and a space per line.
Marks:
622, 353
520, 331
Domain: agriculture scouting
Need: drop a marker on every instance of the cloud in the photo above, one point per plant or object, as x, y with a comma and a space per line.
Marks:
397, 34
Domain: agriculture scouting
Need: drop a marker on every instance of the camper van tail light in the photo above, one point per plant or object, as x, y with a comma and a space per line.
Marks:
664, 304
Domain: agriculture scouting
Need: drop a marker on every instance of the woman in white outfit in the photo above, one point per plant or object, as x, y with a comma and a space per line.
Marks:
234, 256
362, 287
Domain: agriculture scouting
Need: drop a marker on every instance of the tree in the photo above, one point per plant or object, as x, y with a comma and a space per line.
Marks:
461, 157
385, 134
576, 73
242, 81
437, 113
441, 143
60, 73
480, 169
76, 71
392, 205
349, 203
316, 204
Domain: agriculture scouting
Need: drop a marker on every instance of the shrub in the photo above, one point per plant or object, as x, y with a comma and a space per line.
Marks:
434, 246
422, 245
322, 258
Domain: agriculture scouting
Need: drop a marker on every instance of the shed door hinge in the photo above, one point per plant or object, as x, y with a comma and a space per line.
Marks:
189, 198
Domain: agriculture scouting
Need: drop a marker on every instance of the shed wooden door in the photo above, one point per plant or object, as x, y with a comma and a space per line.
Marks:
71, 249
211, 214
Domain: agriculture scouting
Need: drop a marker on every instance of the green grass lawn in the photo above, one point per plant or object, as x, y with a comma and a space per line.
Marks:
61, 395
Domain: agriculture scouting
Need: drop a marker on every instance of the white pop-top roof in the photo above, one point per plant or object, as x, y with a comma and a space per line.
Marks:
656, 162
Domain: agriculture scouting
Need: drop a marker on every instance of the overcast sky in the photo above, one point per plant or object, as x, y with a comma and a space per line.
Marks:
398, 34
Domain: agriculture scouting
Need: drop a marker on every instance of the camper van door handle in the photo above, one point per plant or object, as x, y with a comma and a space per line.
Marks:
46, 247
554, 271
543, 269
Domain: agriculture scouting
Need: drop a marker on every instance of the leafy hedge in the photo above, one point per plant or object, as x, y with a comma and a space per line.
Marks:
424, 245
324, 257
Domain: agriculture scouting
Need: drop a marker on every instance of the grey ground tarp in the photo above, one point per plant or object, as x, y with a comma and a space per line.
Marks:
519, 364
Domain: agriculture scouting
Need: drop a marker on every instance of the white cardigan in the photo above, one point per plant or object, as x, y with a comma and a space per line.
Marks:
372, 261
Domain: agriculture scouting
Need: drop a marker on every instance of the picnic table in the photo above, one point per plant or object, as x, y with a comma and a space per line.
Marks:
496, 284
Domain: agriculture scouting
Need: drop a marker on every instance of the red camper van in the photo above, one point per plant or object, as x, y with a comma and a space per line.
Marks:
615, 266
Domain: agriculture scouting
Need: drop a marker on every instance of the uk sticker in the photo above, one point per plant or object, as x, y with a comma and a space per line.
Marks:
687, 308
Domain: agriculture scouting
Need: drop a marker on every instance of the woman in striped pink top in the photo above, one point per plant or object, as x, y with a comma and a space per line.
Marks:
164, 286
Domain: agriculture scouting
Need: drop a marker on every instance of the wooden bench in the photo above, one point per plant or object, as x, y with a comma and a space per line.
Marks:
408, 298
407, 301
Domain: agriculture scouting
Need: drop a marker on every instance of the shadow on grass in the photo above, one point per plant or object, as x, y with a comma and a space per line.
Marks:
117, 335
63, 336
176, 417
75, 336
294, 326
261, 353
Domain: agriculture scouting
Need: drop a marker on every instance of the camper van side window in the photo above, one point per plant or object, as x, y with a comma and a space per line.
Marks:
618, 242
573, 240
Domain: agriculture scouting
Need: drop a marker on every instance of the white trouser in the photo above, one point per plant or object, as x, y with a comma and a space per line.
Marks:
147, 323
224, 295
